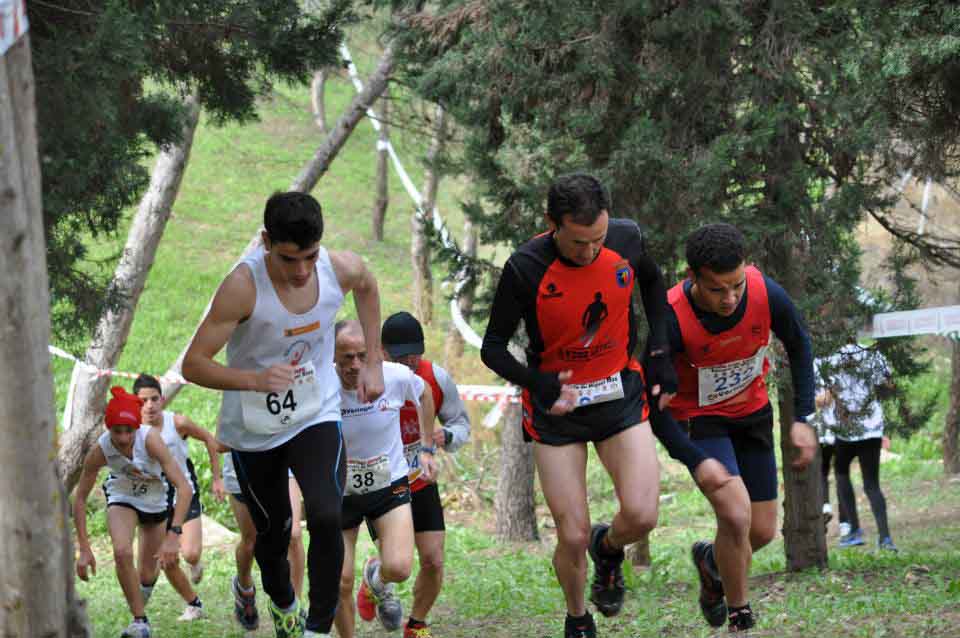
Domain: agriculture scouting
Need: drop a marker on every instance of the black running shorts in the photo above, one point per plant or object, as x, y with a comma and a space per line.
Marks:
370, 507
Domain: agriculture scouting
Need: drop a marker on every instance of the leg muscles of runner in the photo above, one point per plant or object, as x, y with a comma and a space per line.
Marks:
248, 538
346, 618
630, 458
763, 523
191, 542
122, 523
151, 537
731, 549
395, 533
563, 479
426, 589
295, 553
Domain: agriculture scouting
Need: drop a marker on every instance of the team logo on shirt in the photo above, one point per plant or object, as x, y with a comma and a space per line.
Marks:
383, 405
552, 292
296, 352
592, 317
622, 273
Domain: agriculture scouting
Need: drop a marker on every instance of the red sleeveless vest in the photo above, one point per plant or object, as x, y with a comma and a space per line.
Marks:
410, 425
712, 357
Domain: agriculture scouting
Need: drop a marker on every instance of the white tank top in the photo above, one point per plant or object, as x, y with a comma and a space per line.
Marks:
136, 481
256, 421
175, 443
371, 431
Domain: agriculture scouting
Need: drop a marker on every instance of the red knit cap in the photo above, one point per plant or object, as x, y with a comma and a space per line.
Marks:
123, 409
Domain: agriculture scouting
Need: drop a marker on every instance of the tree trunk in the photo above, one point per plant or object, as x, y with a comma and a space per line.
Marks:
317, 99
304, 182
110, 334
36, 556
383, 170
454, 346
419, 248
318, 165
804, 534
514, 503
951, 429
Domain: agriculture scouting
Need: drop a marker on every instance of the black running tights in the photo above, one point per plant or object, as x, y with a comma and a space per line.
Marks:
317, 459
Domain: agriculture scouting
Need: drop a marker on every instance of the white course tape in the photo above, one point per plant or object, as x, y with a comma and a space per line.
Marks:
484, 393
466, 331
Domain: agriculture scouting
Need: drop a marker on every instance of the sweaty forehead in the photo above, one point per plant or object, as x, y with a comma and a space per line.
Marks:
722, 280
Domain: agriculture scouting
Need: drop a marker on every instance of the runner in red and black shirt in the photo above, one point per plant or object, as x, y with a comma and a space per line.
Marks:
719, 326
572, 288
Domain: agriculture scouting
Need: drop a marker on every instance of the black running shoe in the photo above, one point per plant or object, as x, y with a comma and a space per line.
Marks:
245, 607
741, 620
712, 605
607, 589
580, 627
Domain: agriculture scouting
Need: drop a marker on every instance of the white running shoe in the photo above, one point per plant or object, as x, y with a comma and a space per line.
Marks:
136, 629
191, 613
196, 573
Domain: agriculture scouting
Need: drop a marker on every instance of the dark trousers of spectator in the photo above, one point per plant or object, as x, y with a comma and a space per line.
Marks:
868, 453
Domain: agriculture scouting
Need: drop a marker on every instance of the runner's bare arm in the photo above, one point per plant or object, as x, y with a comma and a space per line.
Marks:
427, 413
169, 552
88, 478
159, 451
354, 276
187, 428
233, 303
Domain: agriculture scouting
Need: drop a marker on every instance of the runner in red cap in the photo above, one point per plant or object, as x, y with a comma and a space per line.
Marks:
136, 493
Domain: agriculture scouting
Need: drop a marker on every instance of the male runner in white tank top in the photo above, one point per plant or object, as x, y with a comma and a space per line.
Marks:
136, 497
174, 430
377, 489
281, 403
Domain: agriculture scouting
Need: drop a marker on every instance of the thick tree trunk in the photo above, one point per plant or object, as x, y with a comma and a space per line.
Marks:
36, 556
304, 182
383, 170
112, 329
454, 345
804, 534
514, 502
317, 100
318, 165
951, 430
419, 248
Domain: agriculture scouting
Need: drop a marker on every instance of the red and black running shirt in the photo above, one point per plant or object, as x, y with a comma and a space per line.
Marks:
410, 423
577, 318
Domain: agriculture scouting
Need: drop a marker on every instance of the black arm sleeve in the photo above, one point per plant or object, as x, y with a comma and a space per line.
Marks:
653, 292
788, 325
505, 315
674, 439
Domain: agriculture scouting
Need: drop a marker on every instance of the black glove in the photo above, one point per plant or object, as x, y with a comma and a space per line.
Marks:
658, 370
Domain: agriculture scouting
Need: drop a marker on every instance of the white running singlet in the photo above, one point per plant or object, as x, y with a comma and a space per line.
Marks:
257, 421
371, 431
138, 481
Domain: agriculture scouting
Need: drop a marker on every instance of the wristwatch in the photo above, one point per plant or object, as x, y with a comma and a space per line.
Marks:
177, 529
429, 449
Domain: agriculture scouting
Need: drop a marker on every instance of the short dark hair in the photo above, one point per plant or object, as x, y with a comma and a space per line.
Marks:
147, 381
579, 195
719, 247
293, 217
346, 324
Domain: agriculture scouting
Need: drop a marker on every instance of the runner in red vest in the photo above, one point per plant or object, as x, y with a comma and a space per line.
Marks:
402, 339
573, 287
719, 329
